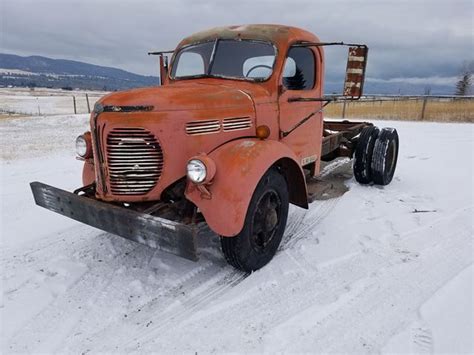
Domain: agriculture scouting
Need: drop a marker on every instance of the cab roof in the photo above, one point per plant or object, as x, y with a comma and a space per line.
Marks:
277, 34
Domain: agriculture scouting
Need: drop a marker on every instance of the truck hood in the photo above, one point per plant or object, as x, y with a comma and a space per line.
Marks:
181, 97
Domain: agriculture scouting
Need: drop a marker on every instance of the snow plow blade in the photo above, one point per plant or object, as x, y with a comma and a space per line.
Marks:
156, 232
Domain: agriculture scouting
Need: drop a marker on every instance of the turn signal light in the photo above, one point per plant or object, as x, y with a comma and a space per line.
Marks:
263, 132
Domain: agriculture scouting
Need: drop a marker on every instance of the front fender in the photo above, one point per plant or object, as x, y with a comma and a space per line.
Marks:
240, 165
88, 173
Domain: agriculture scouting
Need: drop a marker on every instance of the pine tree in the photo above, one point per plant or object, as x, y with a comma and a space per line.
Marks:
296, 82
464, 84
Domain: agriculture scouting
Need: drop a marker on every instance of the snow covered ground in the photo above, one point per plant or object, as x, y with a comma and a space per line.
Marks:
360, 273
42, 101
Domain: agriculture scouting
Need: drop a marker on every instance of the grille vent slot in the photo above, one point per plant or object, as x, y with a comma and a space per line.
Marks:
203, 127
236, 123
134, 159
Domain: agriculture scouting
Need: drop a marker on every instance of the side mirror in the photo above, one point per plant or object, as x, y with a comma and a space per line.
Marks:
355, 72
163, 65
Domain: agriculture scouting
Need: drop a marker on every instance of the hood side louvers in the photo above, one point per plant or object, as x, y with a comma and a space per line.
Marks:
203, 127
214, 126
236, 123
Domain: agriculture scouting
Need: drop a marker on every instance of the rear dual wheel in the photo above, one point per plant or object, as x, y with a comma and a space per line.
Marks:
363, 154
376, 155
264, 226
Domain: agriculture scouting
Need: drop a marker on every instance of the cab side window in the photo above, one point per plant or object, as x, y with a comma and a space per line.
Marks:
299, 70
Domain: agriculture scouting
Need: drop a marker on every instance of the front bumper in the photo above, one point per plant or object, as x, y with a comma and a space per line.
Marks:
170, 236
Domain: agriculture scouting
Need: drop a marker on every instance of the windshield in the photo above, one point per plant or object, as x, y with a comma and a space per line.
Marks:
252, 60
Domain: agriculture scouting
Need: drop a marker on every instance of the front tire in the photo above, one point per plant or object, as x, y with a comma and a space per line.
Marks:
264, 225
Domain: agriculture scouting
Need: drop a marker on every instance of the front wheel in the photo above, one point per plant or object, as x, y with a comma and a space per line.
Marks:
264, 226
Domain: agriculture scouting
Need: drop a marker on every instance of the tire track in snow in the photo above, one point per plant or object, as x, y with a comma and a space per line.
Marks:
297, 228
364, 288
137, 315
171, 319
362, 275
315, 215
174, 306
295, 232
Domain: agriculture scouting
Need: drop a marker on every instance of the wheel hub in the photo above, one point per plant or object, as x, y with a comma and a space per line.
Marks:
266, 219
271, 220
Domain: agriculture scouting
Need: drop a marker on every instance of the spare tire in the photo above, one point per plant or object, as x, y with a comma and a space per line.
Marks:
385, 156
363, 154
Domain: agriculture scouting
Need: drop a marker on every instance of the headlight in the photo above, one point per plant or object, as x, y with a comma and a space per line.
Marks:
196, 171
84, 146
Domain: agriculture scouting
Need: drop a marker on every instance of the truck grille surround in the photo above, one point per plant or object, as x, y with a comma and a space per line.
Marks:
134, 160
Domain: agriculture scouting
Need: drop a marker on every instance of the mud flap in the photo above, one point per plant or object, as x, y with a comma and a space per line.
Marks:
156, 232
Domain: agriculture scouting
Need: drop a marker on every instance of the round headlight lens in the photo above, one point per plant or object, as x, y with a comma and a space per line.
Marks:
196, 171
81, 146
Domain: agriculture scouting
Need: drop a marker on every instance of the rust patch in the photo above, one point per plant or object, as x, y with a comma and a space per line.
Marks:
272, 33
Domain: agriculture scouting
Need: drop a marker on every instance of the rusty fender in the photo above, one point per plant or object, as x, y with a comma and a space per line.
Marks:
240, 165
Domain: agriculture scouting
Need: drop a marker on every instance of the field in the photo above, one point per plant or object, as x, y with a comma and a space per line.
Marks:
41, 101
439, 110
365, 272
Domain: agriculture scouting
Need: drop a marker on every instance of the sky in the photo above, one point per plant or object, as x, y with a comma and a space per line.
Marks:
409, 41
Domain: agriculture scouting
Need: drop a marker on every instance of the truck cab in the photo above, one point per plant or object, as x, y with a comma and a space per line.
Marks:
231, 137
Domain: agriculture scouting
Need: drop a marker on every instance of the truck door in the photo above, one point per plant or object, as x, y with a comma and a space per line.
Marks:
302, 78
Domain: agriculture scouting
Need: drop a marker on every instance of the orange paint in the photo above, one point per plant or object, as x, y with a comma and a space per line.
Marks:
188, 117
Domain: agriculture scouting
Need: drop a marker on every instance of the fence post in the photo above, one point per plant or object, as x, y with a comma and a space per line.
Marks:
74, 102
39, 110
423, 108
88, 106
344, 109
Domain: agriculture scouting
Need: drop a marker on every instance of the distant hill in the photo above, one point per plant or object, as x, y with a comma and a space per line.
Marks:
394, 88
60, 73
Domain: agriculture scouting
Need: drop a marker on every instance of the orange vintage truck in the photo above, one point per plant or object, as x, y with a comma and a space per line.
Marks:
231, 137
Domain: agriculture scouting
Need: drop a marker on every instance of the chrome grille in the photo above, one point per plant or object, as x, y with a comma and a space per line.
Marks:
134, 159
236, 123
203, 127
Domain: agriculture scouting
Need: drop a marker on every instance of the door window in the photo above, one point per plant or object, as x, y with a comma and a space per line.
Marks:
299, 70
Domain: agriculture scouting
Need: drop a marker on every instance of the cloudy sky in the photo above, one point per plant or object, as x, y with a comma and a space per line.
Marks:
422, 41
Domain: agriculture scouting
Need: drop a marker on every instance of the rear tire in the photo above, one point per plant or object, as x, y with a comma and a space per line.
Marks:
363, 155
385, 156
264, 225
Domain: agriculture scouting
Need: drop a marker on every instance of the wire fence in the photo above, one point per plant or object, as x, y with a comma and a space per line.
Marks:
406, 107
47, 102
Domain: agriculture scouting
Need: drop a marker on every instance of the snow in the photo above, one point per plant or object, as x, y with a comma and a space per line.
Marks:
360, 273
15, 72
450, 308
43, 101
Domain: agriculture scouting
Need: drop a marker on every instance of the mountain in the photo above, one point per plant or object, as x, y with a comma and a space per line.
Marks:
395, 87
60, 73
